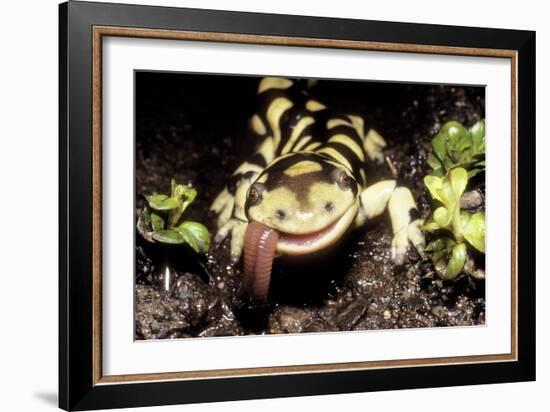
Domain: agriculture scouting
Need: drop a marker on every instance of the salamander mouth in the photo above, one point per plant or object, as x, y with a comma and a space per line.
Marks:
261, 243
290, 244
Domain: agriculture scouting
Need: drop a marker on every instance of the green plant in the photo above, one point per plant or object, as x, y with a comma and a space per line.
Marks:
455, 146
458, 154
162, 222
456, 228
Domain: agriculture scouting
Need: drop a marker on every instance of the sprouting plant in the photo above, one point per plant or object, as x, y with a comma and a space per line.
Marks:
456, 146
458, 155
455, 228
162, 222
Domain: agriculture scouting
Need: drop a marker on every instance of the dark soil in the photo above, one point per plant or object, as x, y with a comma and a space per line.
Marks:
193, 128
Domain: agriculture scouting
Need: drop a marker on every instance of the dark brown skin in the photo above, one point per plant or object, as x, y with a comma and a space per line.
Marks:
260, 244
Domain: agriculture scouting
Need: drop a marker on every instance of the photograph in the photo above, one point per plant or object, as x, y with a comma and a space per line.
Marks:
274, 205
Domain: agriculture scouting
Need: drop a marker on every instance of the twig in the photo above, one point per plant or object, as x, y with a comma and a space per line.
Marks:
391, 166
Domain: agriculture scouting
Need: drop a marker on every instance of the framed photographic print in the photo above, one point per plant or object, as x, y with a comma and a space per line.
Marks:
257, 205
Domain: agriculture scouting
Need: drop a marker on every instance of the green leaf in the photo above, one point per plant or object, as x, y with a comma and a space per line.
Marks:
169, 236
157, 198
163, 202
434, 162
144, 225
457, 135
459, 140
434, 245
196, 235
431, 227
442, 217
429, 224
464, 218
456, 262
474, 231
473, 172
189, 238
438, 172
459, 179
185, 195
173, 186
447, 194
440, 267
448, 191
434, 184
439, 144
144, 219
190, 194
157, 222
478, 137
441, 247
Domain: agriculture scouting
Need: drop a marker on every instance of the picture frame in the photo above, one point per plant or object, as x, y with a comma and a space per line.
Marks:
82, 29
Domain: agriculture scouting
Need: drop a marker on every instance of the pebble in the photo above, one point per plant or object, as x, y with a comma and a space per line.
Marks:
471, 200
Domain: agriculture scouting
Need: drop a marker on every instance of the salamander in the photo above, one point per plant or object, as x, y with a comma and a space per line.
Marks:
305, 185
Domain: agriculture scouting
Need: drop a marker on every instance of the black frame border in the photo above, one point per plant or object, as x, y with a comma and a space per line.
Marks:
76, 387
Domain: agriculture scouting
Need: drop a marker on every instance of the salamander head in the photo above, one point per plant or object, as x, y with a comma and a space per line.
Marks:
309, 199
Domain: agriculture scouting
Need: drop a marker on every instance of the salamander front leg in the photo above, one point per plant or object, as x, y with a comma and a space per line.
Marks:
406, 224
236, 228
229, 206
405, 220
374, 145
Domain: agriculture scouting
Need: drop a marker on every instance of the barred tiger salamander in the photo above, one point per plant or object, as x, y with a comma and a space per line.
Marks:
306, 185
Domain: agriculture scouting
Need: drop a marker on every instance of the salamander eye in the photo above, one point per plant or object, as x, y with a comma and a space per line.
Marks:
342, 179
255, 193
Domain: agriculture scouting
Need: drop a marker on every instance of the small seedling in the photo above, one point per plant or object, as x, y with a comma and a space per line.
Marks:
455, 146
160, 222
458, 155
455, 228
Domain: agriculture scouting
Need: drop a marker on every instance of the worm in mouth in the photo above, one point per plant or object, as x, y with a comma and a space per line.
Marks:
260, 244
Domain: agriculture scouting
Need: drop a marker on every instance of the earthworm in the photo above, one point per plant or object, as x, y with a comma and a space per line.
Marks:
260, 244
251, 237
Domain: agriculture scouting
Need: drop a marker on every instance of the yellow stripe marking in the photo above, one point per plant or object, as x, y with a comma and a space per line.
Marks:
359, 125
303, 141
248, 167
257, 125
300, 126
273, 83
332, 123
315, 106
350, 144
274, 113
300, 168
335, 154
363, 176
376, 138
312, 146
267, 150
